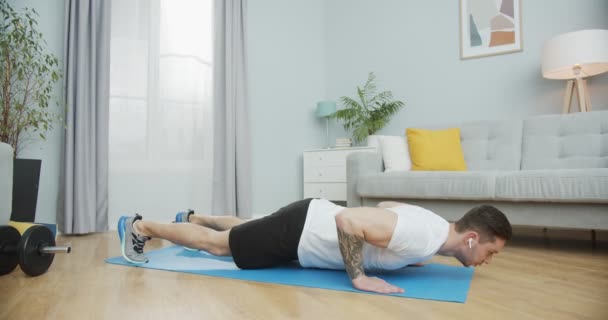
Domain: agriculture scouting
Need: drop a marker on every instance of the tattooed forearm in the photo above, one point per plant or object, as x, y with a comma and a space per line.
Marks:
351, 247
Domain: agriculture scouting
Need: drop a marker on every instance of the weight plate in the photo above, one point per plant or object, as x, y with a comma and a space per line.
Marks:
33, 262
9, 236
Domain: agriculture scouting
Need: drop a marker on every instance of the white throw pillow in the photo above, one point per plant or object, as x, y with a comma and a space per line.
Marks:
395, 153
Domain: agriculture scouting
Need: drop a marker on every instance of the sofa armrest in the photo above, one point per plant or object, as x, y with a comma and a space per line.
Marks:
6, 182
358, 164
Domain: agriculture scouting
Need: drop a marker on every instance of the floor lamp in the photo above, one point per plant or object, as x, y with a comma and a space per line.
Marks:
324, 110
574, 56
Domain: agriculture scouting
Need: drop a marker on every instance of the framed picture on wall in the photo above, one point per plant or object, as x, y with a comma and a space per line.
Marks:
489, 27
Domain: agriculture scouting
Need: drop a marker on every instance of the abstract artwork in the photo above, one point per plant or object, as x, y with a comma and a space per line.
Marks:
489, 27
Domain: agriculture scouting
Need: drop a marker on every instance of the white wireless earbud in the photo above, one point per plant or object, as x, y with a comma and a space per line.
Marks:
470, 245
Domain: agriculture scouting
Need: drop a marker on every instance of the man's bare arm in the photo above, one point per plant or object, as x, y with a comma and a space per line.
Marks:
351, 247
389, 204
355, 226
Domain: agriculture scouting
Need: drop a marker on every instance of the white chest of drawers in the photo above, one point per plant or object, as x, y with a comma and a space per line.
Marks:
325, 172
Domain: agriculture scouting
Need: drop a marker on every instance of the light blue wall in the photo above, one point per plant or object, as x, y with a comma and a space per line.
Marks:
413, 46
414, 49
51, 24
303, 51
286, 77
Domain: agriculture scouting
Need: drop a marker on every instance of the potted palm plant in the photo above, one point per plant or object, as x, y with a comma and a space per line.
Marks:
369, 112
28, 74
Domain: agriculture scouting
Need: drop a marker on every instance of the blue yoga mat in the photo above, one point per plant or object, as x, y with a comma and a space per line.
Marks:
432, 281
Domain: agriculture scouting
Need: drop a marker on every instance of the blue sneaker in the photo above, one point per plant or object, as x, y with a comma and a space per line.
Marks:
184, 217
131, 244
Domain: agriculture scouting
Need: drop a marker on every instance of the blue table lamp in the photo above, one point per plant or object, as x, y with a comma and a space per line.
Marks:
324, 110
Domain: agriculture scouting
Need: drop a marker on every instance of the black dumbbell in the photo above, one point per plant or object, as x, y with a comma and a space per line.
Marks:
33, 252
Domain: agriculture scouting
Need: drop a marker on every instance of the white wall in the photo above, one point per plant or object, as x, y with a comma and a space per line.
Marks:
51, 24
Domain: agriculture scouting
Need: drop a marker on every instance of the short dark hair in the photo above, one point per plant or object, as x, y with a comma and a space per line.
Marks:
488, 221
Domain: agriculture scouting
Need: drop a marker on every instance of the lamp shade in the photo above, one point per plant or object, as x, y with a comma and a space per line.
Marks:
325, 108
586, 48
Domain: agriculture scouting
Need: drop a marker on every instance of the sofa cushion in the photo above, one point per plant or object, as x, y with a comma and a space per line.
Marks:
492, 145
565, 185
566, 141
428, 185
395, 153
437, 150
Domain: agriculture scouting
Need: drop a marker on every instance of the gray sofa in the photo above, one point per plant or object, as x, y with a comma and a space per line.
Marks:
549, 171
6, 182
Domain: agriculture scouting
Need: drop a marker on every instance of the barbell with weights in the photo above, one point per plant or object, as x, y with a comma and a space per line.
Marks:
33, 251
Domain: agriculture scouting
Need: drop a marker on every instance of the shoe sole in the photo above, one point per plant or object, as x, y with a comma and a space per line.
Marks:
121, 235
179, 220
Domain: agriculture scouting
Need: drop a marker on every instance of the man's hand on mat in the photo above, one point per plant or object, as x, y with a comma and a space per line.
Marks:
375, 284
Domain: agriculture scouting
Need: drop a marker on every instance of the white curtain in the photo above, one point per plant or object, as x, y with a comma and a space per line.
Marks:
232, 163
85, 156
160, 107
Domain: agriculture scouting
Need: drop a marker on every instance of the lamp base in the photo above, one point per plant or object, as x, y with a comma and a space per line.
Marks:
582, 93
327, 133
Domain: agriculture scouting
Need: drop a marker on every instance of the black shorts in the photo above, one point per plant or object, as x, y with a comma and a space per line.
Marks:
271, 240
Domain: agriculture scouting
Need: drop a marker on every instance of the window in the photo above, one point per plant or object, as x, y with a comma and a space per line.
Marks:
160, 106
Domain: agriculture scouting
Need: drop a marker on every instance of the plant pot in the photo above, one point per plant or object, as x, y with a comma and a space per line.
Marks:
26, 178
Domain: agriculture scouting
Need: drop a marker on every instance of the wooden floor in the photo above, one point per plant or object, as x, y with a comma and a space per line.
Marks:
536, 277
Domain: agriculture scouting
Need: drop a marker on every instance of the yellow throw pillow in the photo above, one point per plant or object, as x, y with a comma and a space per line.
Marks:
436, 149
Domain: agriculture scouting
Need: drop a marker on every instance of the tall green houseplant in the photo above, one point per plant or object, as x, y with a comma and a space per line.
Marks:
28, 74
369, 112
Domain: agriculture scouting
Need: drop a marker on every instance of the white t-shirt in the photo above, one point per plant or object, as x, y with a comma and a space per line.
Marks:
418, 235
